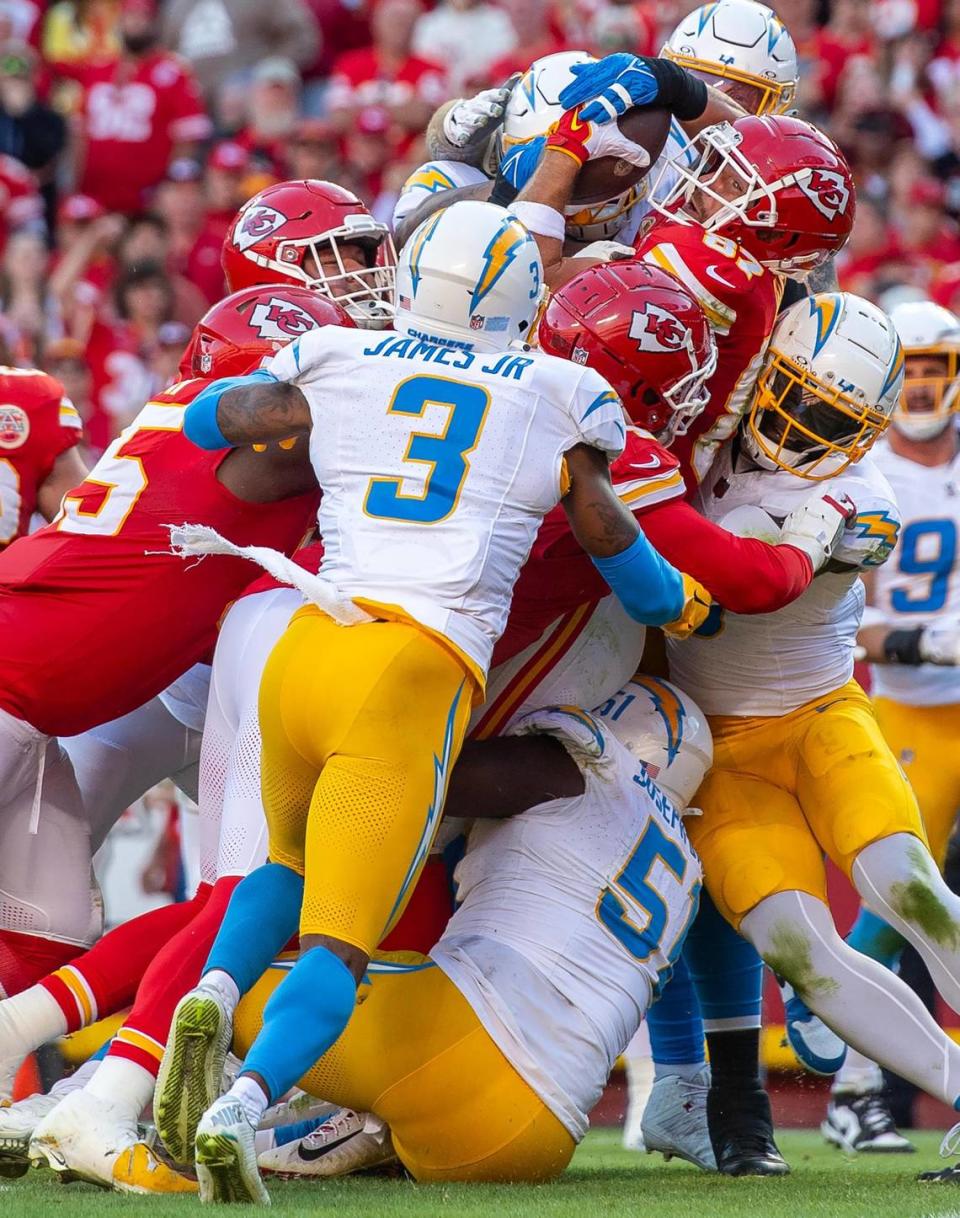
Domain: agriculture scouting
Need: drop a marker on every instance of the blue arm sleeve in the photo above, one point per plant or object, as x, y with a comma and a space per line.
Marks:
648, 587
200, 424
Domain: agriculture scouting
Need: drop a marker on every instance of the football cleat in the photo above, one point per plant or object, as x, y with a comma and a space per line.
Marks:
945, 1175
817, 1048
225, 1155
862, 1123
17, 1123
346, 1142
191, 1071
675, 1120
82, 1138
741, 1131
297, 1106
139, 1169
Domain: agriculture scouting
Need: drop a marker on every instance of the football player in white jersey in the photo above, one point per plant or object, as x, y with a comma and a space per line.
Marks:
739, 48
911, 635
486, 1057
420, 558
800, 766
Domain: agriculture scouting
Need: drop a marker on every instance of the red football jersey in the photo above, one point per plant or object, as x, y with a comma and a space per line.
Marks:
37, 424
20, 201
131, 117
559, 575
740, 299
97, 616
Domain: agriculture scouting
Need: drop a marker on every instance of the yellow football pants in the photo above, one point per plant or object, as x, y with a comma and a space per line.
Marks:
926, 742
416, 1054
785, 791
361, 726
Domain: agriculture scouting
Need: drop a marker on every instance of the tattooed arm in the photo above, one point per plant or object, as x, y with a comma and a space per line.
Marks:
649, 588
241, 410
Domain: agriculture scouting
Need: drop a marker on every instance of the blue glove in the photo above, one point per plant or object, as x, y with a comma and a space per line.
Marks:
520, 162
200, 424
611, 86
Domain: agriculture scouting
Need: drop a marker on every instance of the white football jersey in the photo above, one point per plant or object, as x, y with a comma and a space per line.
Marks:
573, 914
921, 582
437, 465
772, 663
435, 176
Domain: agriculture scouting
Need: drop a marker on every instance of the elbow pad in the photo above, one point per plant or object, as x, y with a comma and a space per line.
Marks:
200, 424
648, 587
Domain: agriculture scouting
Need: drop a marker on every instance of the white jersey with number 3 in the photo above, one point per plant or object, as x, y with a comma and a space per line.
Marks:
572, 915
437, 465
921, 582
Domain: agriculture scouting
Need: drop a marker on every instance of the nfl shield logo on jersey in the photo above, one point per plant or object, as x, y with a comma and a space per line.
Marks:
656, 329
14, 427
281, 320
257, 223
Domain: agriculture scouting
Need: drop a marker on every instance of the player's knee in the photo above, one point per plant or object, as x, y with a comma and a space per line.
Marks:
903, 871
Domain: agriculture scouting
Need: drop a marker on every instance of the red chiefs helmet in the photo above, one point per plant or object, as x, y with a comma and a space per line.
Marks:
776, 185
644, 332
294, 232
233, 336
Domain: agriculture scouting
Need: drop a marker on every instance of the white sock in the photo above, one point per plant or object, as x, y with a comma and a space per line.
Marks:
692, 1072
251, 1097
28, 1020
73, 1082
123, 1084
223, 984
858, 1074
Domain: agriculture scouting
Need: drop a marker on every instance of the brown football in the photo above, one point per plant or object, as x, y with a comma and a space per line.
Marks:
608, 176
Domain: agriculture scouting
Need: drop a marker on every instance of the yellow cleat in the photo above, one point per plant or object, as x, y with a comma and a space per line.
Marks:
138, 1170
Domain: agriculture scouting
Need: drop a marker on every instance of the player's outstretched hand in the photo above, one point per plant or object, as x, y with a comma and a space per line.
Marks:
817, 525
471, 120
940, 643
611, 86
585, 141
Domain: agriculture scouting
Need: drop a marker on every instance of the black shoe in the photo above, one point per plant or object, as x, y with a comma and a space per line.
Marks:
863, 1123
741, 1130
947, 1175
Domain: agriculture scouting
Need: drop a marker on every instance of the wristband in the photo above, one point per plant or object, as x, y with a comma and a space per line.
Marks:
678, 90
504, 192
648, 587
540, 219
903, 646
200, 424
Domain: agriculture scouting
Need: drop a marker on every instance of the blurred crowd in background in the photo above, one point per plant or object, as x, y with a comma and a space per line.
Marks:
131, 130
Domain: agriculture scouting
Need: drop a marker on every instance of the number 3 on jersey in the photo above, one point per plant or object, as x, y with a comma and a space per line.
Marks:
632, 892
444, 453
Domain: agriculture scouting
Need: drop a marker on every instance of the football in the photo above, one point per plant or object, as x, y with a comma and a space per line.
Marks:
608, 176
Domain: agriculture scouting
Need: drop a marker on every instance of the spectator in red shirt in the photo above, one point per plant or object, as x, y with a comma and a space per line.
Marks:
928, 236
848, 35
873, 248
224, 184
314, 151
272, 113
368, 149
64, 359
21, 206
28, 308
137, 112
147, 241
387, 74
538, 34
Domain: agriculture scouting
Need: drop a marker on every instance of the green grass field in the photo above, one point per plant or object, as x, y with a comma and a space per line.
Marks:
603, 1180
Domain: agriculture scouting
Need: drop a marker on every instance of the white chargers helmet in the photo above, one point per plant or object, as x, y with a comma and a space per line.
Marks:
742, 48
533, 108
471, 275
830, 381
931, 388
660, 726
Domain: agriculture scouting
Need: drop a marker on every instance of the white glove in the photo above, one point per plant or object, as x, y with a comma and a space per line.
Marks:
471, 119
940, 643
817, 525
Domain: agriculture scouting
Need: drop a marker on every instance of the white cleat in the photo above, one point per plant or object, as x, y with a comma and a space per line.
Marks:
17, 1123
297, 1106
191, 1072
226, 1157
347, 1142
675, 1120
82, 1138
863, 1124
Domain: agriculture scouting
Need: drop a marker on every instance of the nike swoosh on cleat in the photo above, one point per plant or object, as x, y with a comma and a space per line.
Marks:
310, 1155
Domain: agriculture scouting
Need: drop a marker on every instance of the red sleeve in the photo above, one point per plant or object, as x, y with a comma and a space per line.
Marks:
742, 574
189, 121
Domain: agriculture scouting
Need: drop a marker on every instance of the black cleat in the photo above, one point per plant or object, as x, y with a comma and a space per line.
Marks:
741, 1130
946, 1175
864, 1123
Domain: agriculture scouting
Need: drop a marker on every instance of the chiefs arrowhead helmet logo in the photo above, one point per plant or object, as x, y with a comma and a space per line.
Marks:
255, 224
280, 320
656, 329
827, 191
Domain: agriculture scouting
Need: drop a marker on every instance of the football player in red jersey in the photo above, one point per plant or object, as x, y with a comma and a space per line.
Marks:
39, 462
320, 235
99, 617
762, 198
